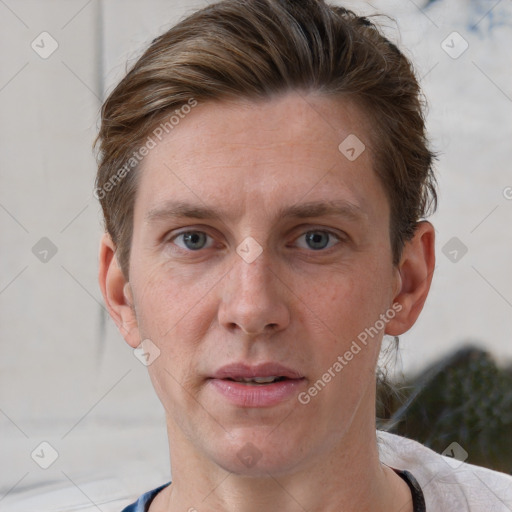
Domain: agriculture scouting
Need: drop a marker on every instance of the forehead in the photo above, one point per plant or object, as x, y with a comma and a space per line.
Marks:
240, 155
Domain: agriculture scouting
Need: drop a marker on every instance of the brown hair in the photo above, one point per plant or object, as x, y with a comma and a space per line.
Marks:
254, 49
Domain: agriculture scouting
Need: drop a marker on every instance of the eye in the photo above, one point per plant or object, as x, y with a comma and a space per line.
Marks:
319, 240
192, 240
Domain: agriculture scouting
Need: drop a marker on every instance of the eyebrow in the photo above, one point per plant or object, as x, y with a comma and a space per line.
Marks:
182, 209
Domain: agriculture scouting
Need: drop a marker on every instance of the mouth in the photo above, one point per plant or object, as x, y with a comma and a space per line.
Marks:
258, 381
263, 385
262, 373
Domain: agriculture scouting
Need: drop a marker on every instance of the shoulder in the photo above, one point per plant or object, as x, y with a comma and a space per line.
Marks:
447, 483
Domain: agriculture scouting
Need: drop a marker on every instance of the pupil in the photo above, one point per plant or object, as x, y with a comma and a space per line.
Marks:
193, 239
315, 241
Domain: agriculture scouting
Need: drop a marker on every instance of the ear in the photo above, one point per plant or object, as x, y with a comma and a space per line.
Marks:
117, 292
415, 271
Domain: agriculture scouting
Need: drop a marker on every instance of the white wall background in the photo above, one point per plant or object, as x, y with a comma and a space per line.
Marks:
66, 375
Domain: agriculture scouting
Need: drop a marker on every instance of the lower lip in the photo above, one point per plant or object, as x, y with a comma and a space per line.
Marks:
258, 395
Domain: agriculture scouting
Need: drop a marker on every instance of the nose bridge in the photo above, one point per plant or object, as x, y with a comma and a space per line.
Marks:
253, 280
254, 300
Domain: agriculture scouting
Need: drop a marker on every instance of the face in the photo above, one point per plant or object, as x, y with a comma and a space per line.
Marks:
260, 250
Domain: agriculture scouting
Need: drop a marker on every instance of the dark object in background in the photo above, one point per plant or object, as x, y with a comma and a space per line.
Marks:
464, 398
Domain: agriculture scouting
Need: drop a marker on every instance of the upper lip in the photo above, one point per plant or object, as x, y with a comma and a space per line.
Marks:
245, 371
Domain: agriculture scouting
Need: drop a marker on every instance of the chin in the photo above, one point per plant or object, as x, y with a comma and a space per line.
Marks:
257, 455
254, 467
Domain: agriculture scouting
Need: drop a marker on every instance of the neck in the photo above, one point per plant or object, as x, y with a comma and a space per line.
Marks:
348, 478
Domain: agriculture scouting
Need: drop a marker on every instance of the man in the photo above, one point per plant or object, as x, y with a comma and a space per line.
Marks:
264, 176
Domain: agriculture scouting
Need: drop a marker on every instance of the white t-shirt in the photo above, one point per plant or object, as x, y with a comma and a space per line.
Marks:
448, 485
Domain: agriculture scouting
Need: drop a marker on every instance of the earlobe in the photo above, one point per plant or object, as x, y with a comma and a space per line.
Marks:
415, 272
117, 292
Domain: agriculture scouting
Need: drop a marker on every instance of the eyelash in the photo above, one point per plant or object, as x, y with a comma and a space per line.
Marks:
325, 231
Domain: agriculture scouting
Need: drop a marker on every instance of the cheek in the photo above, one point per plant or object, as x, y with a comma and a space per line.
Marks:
343, 310
348, 300
349, 307
171, 302
171, 313
174, 310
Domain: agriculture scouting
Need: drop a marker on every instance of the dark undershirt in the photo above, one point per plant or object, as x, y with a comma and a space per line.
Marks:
418, 500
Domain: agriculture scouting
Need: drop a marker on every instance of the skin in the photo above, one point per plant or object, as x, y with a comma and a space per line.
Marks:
294, 304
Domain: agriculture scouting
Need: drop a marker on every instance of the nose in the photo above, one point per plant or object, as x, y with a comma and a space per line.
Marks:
254, 298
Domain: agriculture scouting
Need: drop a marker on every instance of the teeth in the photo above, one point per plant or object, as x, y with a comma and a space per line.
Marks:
258, 380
